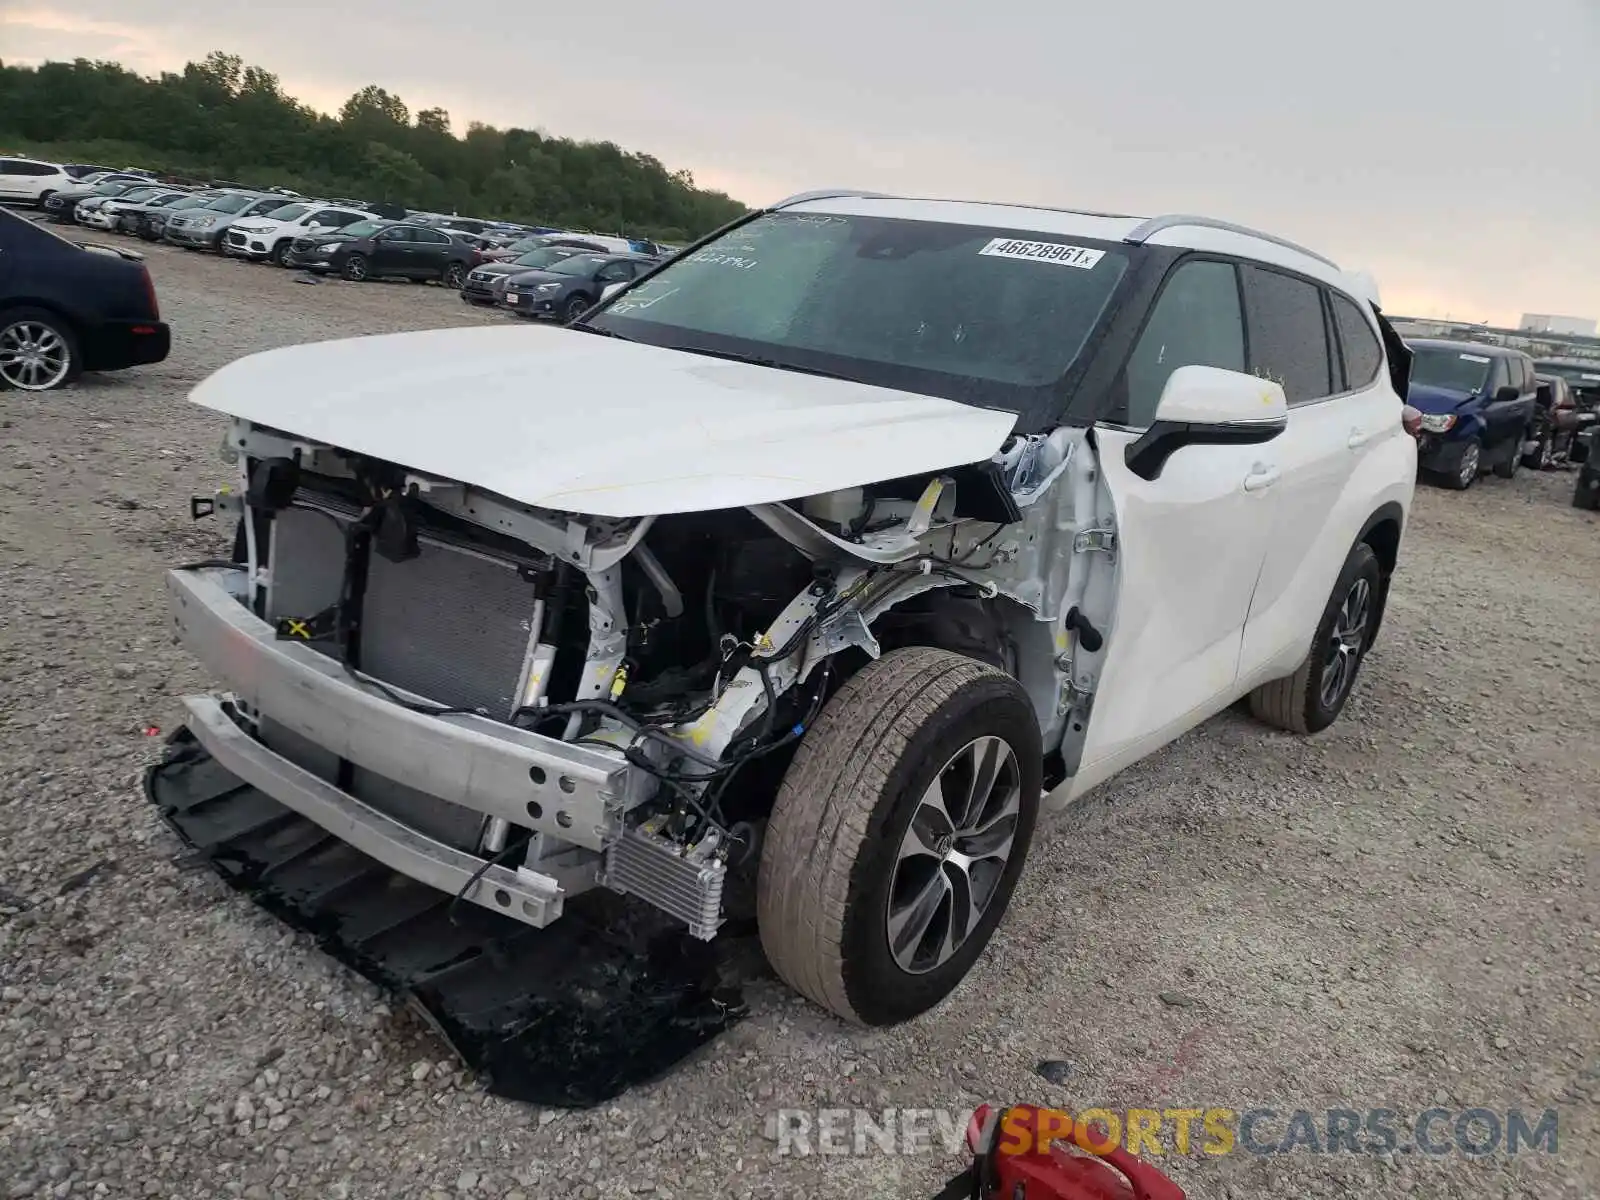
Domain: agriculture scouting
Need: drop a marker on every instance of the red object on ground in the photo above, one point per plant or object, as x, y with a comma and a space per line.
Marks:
1008, 1157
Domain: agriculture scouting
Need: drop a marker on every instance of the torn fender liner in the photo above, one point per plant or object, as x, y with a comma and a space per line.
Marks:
612, 995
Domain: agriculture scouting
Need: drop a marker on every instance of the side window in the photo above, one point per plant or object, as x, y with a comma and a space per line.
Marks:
613, 272
40, 169
10, 167
1288, 336
396, 235
430, 237
1195, 322
1362, 354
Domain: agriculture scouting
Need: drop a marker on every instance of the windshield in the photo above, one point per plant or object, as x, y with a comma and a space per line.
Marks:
578, 264
110, 189
363, 229
979, 315
288, 212
190, 202
1446, 367
134, 195
543, 257
231, 204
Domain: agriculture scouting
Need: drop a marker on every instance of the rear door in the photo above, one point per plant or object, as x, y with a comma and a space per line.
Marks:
1189, 542
430, 253
1325, 351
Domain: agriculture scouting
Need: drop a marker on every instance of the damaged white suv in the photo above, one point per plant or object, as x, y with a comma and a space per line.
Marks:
836, 547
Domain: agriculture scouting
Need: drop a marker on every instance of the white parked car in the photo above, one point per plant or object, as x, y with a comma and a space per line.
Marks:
270, 235
30, 181
103, 212
844, 545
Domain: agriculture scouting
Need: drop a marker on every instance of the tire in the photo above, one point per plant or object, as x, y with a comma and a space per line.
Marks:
38, 351
1301, 703
576, 307
44, 198
1586, 492
1466, 475
1506, 468
831, 859
279, 255
455, 275
355, 268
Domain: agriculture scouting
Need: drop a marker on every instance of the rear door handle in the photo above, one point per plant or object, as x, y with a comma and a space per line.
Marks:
1358, 438
1261, 478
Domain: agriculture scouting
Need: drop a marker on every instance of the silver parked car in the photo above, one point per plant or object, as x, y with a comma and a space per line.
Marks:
204, 228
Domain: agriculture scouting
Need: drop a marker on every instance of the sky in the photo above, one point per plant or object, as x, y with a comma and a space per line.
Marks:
1452, 148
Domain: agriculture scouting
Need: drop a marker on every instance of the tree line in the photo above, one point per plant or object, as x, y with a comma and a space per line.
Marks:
220, 118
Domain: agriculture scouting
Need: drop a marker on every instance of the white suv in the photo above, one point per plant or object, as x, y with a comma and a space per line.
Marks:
30, 181
838, 548
270, 235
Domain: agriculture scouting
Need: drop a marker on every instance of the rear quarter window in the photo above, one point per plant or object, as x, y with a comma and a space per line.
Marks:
1288, 336
1362, 353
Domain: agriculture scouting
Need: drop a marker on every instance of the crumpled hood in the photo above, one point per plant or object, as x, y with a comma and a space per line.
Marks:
591, 424
1426, 397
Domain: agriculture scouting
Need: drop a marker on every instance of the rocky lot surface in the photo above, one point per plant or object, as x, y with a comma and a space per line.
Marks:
1400, 913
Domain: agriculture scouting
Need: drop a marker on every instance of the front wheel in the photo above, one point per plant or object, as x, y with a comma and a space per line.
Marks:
576, 307
898, 834
1313, 697
454, 276
355, 268
1467, 470
280, 253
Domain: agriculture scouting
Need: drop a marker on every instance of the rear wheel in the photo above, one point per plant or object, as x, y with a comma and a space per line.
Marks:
455, 275
1313, 697
38, 350
355, 268
44, 197
898, 834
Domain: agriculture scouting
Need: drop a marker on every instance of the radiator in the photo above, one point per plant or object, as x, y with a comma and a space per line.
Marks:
453, 625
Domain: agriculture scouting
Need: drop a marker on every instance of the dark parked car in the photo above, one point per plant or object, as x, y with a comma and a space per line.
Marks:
1582, 377
1477, 404
65, 309
572, 286
479, 287
61, 206
384, 249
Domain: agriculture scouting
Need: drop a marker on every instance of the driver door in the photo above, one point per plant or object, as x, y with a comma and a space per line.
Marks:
1190, 542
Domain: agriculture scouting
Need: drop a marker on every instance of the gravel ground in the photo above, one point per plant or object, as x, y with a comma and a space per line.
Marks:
1398, 913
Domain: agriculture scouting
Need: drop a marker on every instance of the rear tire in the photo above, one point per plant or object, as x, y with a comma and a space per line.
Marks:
44, 198
1309, 700
910, 803
455, 275
38, 351
1586, 492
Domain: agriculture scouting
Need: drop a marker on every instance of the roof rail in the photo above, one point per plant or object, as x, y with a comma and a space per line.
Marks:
1155, 225
827, 194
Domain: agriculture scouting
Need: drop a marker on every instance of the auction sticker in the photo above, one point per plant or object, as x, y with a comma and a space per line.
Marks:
1477, 358
1051, 252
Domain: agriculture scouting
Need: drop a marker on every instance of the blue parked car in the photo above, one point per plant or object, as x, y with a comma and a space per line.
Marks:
1477, 404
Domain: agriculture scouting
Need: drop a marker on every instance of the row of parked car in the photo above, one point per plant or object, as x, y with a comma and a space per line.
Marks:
530, 273
1484, 408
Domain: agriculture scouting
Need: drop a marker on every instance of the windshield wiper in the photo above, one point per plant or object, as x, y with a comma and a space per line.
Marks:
602, 332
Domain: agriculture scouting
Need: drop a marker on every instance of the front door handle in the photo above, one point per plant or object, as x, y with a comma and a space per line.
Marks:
1260, 478
1358, 438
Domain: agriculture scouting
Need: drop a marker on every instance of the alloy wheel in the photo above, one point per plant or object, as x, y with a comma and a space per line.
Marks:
1346, 642
1471, 458
33, 356
953, 855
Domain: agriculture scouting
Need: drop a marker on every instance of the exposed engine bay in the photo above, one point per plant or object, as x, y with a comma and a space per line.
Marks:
671, 664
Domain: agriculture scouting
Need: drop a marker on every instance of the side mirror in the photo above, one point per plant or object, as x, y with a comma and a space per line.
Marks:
1508, 395
1208, 406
